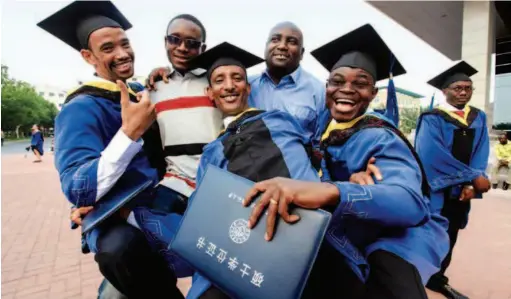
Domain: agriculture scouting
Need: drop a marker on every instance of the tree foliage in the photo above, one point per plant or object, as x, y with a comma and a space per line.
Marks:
22, 106
502, 126
408, 119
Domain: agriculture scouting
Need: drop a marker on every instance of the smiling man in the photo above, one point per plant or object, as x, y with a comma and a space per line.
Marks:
384, 231
256, 144
285, 85
102, 136
187, 119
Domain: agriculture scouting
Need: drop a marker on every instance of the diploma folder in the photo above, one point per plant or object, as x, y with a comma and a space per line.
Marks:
129, 185
215, 240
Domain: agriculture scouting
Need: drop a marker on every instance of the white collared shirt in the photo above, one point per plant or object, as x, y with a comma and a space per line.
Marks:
450, 107
114, 159
228, 120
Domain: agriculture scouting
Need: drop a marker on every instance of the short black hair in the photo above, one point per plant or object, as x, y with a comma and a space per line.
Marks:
192, 19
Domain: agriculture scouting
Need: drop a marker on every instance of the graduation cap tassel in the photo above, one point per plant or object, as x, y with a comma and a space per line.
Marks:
392, 61
392, 110
432, 102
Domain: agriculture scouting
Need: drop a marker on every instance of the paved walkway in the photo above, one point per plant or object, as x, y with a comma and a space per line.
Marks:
41, 256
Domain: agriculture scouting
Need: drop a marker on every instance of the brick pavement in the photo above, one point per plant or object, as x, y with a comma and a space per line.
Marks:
41, 256
481, 267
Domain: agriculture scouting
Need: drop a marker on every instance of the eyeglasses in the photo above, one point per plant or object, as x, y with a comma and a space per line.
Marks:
459, 89
340, 84
189, 43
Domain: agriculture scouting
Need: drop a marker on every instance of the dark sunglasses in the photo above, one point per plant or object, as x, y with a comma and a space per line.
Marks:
189, 43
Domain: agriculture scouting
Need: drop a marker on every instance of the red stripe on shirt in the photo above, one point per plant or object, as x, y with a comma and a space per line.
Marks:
187, 181
183, 102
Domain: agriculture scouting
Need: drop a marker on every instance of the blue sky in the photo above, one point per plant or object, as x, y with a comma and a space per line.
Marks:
37, 57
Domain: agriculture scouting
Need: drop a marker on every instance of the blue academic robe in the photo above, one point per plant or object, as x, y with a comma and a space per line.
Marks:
391, 215
440, 137
38, 142
89, 119
257, 145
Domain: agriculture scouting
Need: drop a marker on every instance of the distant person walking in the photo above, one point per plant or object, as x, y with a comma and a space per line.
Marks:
36, 145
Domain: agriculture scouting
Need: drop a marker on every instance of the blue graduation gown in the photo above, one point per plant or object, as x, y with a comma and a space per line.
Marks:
38, 141
435, 136
393, 214
257, 145
85, 126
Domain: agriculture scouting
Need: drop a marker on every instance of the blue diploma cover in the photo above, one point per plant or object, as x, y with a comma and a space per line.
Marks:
214, 239
130, 185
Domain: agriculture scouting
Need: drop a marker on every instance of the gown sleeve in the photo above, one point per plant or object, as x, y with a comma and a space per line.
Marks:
88, 167
397, 200
442, 169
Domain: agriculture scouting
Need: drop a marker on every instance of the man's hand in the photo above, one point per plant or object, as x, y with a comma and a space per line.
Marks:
481, 184
467, 193
136, 117
280, 193
155, 75
77, 214
365, 177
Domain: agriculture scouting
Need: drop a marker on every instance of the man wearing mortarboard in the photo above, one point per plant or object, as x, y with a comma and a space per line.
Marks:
389, 222
102, 136
185, 116
285, 85
452, 142
256, 144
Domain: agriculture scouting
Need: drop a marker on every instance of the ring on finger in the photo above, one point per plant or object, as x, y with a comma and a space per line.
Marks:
273, 201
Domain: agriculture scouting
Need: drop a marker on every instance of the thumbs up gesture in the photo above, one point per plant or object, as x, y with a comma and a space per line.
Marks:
136, 117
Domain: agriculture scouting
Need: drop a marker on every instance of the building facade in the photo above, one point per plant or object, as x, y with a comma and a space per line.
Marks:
53, 94
405, 99
473, 31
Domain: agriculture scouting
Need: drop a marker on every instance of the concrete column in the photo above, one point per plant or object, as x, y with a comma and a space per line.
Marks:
478, 43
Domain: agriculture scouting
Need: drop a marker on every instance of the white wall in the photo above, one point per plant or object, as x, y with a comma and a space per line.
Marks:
439, 23
502, 93
52, 94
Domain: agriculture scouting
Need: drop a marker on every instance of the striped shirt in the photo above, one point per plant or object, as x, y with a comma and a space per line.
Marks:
188, 120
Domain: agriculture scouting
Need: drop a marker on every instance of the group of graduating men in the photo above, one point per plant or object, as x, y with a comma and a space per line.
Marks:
396, 209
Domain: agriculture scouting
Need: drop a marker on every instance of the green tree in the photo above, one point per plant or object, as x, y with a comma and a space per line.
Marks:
502, 126
408, 118
22, 106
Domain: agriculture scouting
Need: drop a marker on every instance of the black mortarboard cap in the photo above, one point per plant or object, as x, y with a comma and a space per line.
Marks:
225, 54
461, 71
361, 48
74, 23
